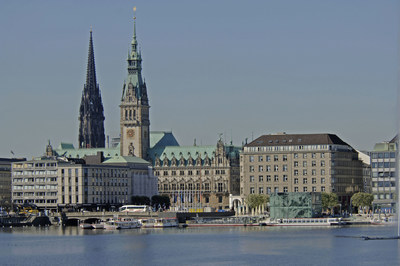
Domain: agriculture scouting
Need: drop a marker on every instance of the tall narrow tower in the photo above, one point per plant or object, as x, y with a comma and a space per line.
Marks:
91, 112
134, 120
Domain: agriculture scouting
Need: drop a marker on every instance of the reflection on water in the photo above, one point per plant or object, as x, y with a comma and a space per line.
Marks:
198, 246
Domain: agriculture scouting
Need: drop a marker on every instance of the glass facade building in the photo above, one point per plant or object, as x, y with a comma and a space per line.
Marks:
383, 171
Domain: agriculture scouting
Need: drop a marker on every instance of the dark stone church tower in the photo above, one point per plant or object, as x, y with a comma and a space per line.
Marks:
91, 112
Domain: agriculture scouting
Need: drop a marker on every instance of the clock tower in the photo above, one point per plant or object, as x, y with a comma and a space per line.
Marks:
134, 117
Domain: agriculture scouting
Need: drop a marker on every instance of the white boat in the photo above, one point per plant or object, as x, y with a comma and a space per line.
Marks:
224, 221
128, 223
166, 222
121, 223
98, 226
304, 222
86, 226
147, 223
110, 225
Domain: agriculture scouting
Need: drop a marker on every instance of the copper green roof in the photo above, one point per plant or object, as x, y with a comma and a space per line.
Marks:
162, 138
183, 151
125, 159
68, 150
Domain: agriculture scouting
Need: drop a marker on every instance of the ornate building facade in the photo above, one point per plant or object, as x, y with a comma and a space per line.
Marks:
91, 112
134, 117
195, 177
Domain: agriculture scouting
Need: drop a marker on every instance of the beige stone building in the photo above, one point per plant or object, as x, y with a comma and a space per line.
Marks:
50, 182
300, 163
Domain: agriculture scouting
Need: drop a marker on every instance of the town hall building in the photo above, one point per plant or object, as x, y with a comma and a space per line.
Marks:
193, 177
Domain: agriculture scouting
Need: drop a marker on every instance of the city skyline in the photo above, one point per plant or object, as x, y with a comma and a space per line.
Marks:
225, 67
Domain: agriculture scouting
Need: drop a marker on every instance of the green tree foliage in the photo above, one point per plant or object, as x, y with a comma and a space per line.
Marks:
162, 200
362, 199
329, 200
140, 200
255, 200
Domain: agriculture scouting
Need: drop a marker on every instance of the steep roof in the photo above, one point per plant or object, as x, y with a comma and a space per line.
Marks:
182, 151
162, 138
296, 139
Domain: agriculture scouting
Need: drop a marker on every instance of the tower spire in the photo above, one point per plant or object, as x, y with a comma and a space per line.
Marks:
91, 69
91, 113
134, 22
134, 120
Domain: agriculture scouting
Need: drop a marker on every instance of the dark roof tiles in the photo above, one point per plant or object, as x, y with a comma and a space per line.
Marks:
296, 139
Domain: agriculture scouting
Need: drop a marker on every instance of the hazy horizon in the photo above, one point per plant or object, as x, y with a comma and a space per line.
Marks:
240, 68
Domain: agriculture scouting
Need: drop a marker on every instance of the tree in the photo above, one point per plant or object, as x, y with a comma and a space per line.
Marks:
140, 200
361, 200
254, 200
329, 201
162, 200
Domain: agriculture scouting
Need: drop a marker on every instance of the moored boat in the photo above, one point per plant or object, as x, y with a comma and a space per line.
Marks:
166, 222
226, 221
128, 223
304, 222
98, 226
121, 223
86, 226
147, 223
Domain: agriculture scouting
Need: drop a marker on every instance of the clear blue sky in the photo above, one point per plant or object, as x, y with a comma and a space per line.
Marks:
243, 68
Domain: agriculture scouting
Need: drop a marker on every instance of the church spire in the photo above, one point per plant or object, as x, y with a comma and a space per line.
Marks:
91, 115
91, 69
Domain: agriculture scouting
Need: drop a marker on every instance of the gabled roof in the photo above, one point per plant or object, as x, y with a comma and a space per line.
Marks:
182, 151
162, 138
296, 139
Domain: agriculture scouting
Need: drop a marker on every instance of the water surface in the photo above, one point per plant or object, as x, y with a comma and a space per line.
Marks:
199, 246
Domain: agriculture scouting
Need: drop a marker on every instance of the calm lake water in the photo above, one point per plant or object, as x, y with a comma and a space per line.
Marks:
199, 246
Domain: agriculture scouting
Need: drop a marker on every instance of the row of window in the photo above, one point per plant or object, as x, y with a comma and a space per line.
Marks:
190, 172
285, 179
384, 196
384, 165
38, 201
305, 172
36, 172
38, 194
383, 174
284, 157
383, 155
384, 184
268, 168
285, 189
35, 180
31, 187
38, 165
220, 187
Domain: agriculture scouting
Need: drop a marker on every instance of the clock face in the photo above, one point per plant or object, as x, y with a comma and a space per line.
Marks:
131, 133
